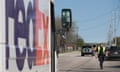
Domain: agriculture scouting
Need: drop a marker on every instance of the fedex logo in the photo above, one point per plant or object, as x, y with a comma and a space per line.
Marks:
26, 30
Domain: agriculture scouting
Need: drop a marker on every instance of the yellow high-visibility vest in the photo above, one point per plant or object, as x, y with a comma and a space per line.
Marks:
103, 50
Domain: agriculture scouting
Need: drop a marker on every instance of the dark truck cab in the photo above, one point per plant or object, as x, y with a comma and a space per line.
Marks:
87, 49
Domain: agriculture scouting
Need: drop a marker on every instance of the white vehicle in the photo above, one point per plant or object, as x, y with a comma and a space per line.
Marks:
27, 36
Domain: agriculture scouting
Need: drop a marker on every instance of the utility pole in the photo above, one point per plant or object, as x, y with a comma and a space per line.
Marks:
114, 25
110, 34
115, 41
116, 20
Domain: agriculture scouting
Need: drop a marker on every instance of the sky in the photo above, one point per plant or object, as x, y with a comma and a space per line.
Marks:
92, 17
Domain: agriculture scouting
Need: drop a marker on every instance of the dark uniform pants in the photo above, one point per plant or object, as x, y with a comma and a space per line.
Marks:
101, 60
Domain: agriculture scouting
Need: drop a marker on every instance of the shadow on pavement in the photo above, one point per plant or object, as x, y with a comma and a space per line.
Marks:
68, 70
90, 68
112, 59
84, 56
84, 70
96, 71
93, 70
117, 66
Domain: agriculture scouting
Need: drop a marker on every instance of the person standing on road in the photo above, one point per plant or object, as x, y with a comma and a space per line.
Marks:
101, 54
95, 49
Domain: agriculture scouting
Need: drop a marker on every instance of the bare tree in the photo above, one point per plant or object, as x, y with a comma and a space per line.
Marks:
71, 36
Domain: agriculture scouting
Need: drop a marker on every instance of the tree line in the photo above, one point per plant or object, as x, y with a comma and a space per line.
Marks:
70, 37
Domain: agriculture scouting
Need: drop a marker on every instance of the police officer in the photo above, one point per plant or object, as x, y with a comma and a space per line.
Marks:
101, 54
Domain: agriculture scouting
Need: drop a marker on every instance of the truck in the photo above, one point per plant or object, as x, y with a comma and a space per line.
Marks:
25, 33
27, 36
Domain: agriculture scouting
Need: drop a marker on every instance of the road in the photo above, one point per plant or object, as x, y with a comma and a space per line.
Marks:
74, 62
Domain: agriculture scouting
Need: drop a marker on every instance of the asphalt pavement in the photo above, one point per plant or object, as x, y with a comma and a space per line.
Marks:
74, 62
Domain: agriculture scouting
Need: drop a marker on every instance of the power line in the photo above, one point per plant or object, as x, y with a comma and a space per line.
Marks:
97, 17
94, 27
